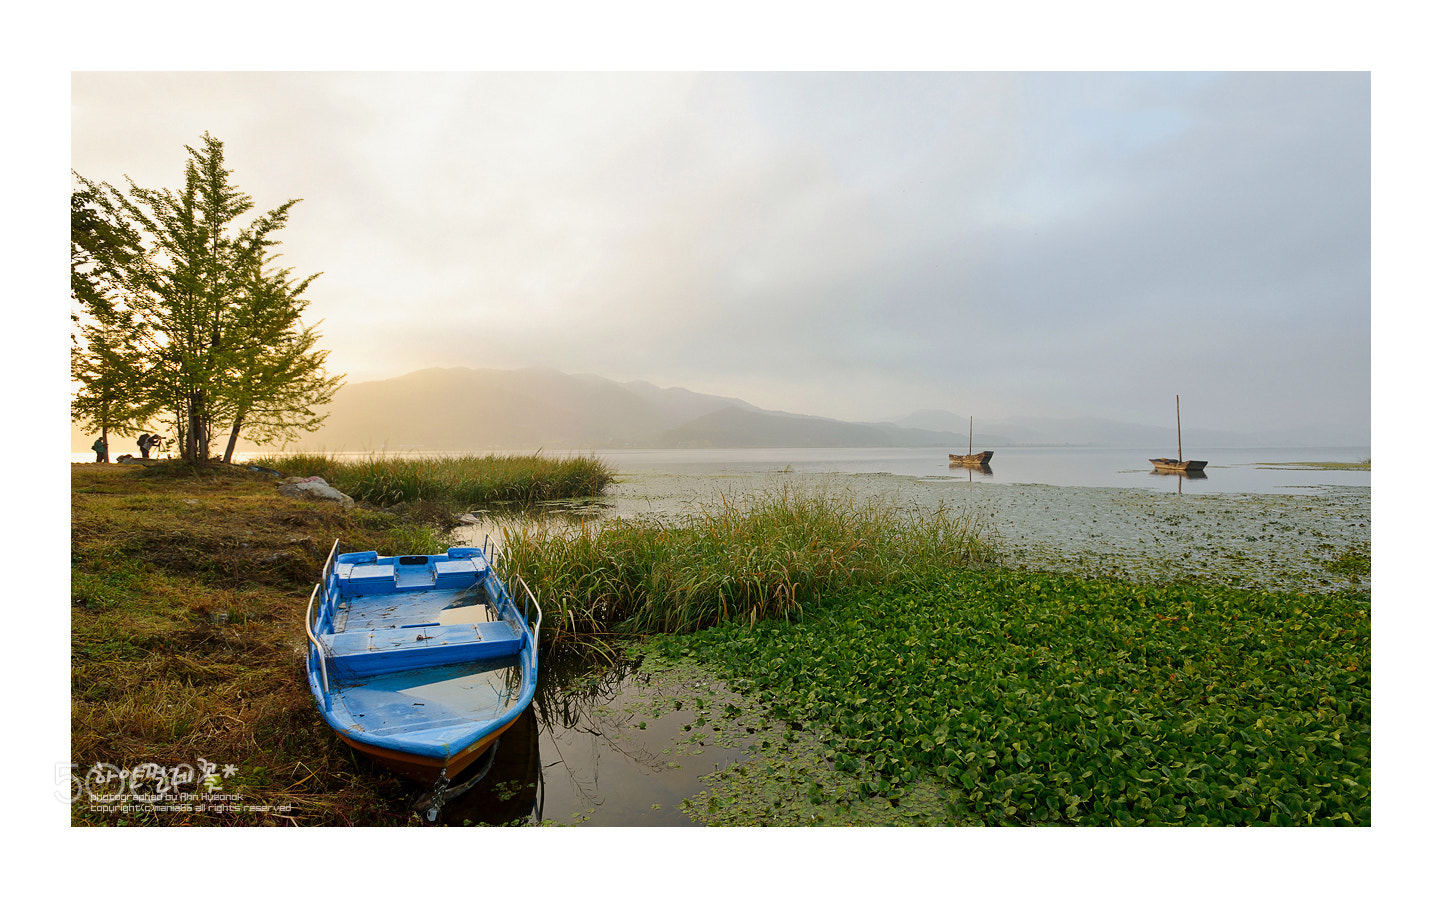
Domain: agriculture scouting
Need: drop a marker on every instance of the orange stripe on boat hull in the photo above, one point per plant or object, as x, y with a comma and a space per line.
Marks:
422, 769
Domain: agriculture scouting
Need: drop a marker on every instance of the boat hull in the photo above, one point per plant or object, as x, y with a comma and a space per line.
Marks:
1172, 466
420, 663
424, 770
976, 459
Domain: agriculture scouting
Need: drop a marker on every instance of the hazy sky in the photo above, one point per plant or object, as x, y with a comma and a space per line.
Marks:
851, 245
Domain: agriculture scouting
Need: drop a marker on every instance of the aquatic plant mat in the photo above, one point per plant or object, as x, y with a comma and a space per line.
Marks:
1362, 465
1288, 540
999, 697
674, 716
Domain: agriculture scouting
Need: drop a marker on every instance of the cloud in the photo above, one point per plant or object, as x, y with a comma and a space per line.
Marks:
850, 244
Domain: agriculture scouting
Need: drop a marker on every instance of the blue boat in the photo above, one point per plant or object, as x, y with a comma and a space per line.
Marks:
420, 662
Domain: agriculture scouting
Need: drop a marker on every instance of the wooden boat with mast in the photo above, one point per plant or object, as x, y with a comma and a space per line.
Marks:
972, 459
1177, 465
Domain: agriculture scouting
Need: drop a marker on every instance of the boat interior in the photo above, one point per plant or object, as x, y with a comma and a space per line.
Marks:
416, 611
428, 699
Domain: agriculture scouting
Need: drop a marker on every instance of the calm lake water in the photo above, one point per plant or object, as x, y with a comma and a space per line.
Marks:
602, 745
1227, 471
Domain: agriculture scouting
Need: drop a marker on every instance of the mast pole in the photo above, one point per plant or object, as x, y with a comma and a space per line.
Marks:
1180, 461
969, 421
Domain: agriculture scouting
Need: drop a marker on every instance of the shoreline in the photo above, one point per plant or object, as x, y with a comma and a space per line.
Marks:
1251, 540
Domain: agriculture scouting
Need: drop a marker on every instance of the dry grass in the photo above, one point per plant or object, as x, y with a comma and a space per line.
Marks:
188, 591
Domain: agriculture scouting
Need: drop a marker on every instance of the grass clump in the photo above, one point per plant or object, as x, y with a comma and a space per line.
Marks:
1364, 464
468, 481
1049, 699
771, 558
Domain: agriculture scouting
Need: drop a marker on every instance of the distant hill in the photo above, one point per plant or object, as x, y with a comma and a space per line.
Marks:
444, 409
478, 409
680, 405
933, 419
739, 428
466, 408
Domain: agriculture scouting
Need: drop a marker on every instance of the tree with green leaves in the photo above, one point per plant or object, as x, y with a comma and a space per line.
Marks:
213, 332
280, 375
113, 394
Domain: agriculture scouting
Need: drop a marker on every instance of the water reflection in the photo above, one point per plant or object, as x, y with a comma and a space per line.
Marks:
602, 744
1181, 475
490, 522
508, 790
983, 470
1249, 470
1188, 475
572, 511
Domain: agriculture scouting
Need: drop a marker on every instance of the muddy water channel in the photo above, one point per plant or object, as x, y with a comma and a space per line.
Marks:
632, 743
637, 743
617, 744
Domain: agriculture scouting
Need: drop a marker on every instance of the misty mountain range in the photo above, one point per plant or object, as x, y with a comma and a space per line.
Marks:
454, 409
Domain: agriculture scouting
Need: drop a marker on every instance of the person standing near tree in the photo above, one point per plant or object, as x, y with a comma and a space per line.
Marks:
99, 447
147, 442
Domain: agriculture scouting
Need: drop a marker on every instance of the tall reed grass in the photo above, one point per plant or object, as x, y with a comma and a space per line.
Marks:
768, 557
467, 480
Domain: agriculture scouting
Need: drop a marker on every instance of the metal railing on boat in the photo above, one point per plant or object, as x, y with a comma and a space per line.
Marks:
319, 649
490, 550
309, 627
525, 613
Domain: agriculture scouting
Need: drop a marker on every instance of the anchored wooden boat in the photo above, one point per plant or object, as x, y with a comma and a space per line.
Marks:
973, 459
420, 662
976, 458
1172, 466
1176, 465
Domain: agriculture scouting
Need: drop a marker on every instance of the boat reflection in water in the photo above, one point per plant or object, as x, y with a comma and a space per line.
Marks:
1181, 475
507, 788
512, 790
983, 470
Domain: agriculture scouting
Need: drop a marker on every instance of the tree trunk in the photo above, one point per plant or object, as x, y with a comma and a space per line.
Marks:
197, 443
192, 426
234, 435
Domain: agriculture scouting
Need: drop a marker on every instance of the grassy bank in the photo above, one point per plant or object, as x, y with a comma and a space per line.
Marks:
466, 481
1048, 699
188, 590
782, 552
